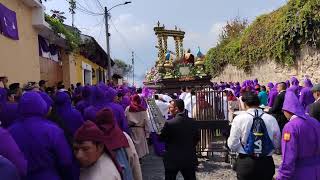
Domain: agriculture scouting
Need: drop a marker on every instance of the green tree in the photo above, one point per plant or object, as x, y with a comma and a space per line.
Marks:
58, 15
233, 29
121, 67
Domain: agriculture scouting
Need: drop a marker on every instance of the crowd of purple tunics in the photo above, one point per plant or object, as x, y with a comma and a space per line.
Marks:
27, 118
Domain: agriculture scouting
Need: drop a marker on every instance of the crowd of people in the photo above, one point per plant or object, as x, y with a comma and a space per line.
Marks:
86, 132
281, 118
285, 114
102, 131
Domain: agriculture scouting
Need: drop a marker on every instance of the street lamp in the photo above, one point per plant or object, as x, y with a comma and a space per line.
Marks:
106, 14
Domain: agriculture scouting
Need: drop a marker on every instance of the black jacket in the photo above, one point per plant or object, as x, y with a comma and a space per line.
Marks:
314, 110
181, 137
276, 110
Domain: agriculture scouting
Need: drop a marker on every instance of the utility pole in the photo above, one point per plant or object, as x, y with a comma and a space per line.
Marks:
132, 68
106, 17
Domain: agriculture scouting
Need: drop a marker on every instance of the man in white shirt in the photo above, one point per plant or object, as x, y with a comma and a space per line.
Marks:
189, 101
163, 106
183, 93
249, 166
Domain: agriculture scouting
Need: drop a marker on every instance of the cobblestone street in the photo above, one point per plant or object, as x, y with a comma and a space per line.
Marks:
214, 169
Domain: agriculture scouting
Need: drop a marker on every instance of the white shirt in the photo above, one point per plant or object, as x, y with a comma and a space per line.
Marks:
166, 98
189, 102
103, 169
182, 95
241, 127
164, 107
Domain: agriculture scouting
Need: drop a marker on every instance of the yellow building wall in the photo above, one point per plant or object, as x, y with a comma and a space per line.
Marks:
19, 60
79, 59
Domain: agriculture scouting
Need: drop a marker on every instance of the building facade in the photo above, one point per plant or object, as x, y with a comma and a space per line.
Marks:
40, 54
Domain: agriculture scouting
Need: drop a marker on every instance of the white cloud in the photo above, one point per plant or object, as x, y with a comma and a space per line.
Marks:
205, 40
215, 31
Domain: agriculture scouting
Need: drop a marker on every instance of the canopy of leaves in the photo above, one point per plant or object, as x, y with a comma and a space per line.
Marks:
58, 15
121, 67
278, 36
72, 36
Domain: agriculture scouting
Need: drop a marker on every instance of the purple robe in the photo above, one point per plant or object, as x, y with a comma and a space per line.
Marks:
8, 114
125, 102
8, 111
98, 103
47, 99
294, 86
295, 89
143, 102
306, 98
7, 170
272, 96
237, 89
158, 145
300, 144
86, 99
10, 150
72, 118
118, 110
42, 142
103, 98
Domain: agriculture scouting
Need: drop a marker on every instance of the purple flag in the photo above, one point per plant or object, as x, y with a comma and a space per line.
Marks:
8, 23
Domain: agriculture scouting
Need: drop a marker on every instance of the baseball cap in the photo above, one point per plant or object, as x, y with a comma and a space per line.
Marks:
316, 88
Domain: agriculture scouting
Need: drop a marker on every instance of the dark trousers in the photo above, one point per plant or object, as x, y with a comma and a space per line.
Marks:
187, 173
250, 168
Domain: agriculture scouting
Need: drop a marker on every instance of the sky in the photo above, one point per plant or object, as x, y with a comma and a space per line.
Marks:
131, 26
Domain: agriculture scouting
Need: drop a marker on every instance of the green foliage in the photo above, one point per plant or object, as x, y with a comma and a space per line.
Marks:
122, 68
72, 36
72, 6
279, 36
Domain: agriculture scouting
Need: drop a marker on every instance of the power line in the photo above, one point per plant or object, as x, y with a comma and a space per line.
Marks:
93, 26
84, 10
99, 4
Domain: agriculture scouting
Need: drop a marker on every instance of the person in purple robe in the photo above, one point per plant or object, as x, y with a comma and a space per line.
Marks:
288, 83
48, 101
273, 93
42, 142
85, 102
237, 89
8, 110
270, 85
104, 98
117, 110
10, 150
306, 96
98, 102
125, 101
300, 143
7, 170
68, 118
294, 86
256, 82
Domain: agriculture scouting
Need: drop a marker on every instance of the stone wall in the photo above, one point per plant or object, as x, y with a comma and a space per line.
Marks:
308, 63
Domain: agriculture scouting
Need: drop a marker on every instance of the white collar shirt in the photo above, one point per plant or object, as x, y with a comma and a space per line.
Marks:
241, 126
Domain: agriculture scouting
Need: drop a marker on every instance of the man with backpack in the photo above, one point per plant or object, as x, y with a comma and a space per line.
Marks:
254, 136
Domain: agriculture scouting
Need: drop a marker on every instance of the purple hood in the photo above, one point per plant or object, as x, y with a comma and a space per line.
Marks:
32, 104
292, 104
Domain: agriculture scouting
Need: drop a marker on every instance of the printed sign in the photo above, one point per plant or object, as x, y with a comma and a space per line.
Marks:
184, 70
